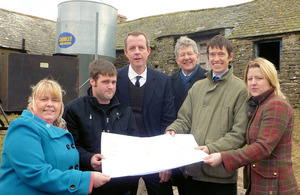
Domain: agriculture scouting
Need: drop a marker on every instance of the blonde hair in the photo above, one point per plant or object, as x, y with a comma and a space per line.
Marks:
52, 87
269, 72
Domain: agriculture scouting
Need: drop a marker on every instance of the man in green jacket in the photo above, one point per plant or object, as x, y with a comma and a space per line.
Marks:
215, 113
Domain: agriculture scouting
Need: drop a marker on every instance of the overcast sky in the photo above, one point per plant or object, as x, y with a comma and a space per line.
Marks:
132, 9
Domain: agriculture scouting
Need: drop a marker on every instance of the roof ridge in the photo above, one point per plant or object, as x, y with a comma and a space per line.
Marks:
14, 12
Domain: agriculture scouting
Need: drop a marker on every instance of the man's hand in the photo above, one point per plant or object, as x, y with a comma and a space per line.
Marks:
165, 176
171, 132
203, 148
96, 162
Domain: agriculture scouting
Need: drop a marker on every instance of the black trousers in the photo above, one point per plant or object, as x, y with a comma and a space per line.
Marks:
194, 187
178, 180
116, 186
153, 186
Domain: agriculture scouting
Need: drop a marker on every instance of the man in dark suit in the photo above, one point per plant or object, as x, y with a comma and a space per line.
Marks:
187, 56
150, 95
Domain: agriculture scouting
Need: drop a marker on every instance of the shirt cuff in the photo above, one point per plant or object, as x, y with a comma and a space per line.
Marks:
92, 183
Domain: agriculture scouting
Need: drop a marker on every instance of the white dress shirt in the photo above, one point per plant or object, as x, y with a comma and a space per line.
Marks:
132, 76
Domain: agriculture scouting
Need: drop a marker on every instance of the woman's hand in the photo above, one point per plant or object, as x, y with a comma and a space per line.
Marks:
100, 179
213, 160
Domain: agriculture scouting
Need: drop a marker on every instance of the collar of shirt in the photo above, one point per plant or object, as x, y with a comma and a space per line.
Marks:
132, 76
220, 75
185, 74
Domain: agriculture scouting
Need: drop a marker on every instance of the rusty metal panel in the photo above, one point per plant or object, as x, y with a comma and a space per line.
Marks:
20, 71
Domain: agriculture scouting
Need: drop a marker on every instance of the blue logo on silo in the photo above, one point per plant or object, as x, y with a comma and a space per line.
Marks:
66, 40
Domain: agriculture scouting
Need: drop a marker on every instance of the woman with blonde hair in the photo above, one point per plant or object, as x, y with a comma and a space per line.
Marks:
39, 155
267, 155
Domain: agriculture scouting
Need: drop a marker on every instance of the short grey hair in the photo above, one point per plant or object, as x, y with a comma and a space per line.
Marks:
183, 42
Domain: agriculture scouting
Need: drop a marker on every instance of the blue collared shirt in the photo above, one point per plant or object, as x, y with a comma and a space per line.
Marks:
220, 75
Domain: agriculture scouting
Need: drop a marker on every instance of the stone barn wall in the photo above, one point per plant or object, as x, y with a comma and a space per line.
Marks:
289, 73
161, 58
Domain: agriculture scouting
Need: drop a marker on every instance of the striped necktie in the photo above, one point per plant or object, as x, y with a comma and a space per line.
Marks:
215, 79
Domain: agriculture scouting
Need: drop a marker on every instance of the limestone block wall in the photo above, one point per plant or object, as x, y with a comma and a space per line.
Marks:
289, 73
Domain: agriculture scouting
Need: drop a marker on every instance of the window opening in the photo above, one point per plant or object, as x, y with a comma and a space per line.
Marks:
271, 50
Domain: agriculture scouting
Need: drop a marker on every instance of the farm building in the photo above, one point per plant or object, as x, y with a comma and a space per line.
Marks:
266, 28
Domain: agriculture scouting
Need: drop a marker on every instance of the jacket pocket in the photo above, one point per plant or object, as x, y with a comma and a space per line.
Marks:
266, 168
264, 175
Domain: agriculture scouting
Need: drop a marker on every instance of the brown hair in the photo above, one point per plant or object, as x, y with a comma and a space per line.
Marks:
220, 41
136, 33
101, 67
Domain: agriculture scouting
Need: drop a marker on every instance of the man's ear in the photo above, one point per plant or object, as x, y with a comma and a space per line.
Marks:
92, 81
231, 56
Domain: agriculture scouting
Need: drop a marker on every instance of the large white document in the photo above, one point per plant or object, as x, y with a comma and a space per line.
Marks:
128, 155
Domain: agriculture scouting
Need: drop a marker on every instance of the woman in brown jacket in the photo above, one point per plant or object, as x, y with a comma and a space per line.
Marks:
267, 155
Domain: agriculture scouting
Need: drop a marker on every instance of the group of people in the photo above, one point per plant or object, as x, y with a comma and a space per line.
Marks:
52, 149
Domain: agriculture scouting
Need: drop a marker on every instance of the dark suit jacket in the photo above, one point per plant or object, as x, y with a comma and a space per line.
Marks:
158, 110
179, 93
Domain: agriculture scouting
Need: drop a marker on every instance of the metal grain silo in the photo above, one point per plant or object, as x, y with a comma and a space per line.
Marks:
86, 29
